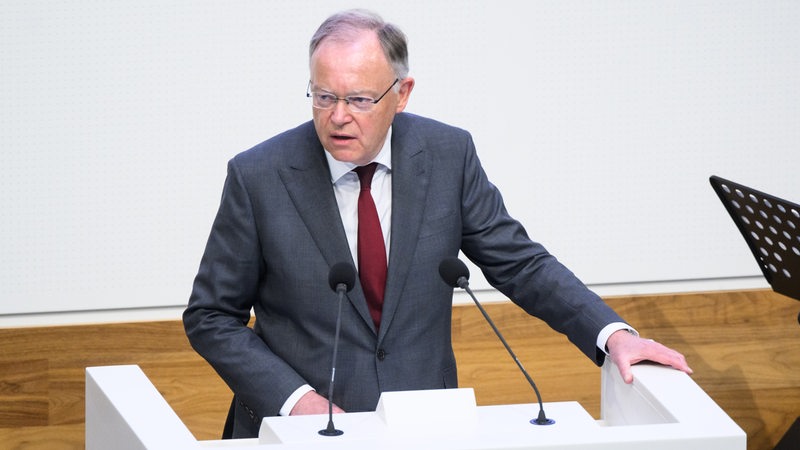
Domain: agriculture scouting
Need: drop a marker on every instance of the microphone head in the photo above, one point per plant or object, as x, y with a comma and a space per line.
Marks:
342, 273
452, 270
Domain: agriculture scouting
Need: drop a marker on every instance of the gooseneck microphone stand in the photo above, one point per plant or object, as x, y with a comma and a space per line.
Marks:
341, 279
455, 273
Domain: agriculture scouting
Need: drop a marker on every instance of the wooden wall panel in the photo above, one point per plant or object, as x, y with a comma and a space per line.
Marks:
24, 390
160, 348
743, 346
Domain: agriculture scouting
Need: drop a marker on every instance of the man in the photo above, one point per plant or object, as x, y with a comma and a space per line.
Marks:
290, 211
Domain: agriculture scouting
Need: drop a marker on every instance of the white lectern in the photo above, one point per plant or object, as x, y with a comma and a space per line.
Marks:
662, 410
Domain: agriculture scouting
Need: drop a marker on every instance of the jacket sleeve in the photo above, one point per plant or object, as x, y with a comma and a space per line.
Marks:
219, 309
524, 270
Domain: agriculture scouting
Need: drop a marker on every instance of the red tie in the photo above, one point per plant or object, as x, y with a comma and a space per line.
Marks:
371, 248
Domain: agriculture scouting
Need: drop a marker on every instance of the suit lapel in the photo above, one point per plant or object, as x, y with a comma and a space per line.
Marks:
308, 182
410, 181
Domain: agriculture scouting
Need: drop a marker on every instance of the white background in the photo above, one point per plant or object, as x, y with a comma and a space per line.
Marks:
600, 121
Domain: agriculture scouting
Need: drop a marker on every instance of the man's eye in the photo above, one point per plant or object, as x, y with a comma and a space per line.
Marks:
359, 100
326, 97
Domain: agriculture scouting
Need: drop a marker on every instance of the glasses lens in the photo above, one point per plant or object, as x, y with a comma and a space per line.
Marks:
322, 100
360, 104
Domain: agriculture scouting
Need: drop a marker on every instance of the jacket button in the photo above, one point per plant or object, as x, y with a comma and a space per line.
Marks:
381, 354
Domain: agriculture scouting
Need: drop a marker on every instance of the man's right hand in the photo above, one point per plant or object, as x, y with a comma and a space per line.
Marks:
313, 403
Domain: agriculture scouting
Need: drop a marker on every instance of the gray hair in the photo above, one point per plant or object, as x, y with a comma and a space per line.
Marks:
343, 25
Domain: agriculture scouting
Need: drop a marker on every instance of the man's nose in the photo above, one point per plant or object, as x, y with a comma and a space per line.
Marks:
341, 112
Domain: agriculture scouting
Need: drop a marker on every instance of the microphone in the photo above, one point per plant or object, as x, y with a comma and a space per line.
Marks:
455, 273
341, 279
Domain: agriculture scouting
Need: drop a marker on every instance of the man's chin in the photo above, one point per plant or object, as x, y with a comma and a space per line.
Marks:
347, 156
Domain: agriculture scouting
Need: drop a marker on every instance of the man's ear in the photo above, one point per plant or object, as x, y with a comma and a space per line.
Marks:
404, 92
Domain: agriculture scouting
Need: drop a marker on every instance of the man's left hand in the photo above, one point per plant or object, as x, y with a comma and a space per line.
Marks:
627, 349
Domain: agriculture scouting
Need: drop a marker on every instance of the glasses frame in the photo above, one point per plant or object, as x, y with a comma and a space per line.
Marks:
348, 99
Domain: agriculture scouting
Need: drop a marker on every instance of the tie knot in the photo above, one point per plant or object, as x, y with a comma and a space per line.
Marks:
365, 174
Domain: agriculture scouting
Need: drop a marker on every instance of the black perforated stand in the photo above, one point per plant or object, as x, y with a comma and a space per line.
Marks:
771, 228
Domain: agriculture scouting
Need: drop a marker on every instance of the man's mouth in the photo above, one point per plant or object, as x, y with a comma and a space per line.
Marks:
342, 138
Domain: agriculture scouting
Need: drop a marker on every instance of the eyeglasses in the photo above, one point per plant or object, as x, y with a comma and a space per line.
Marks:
356, 103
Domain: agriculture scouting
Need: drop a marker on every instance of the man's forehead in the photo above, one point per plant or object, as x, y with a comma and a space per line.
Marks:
348, 38
353, 59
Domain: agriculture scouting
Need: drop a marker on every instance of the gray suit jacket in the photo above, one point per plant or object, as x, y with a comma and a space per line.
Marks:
278, 232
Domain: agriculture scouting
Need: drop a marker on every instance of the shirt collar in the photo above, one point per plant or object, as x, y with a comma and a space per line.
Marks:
340, 168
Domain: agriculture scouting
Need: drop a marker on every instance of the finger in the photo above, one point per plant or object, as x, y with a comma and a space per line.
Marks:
627, 374
624, 370
679, 362
667, 356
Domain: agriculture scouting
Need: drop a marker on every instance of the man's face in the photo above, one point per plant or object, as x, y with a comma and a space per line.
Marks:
355, 68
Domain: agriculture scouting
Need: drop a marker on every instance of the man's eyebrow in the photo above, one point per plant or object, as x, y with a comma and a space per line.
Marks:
356, 93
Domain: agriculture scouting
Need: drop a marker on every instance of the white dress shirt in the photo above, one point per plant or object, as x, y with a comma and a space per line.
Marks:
346, 188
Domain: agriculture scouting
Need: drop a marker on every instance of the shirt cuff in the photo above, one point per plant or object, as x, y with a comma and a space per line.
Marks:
293, 399
610, 329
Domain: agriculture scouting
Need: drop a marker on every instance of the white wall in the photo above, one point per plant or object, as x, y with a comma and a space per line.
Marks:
600, 121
